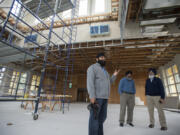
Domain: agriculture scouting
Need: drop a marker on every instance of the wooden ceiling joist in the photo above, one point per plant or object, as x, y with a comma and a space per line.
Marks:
12, 21
154, 53
78, 21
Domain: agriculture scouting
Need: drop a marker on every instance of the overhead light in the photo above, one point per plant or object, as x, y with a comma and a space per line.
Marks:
158, 21
151, 56
152, 29
27, 1
144, 46
128, 47
107, 48
164, 44
155, 34
154, 4
176, 34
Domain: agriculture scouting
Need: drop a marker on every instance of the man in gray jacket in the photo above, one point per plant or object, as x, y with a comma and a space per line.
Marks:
98, 85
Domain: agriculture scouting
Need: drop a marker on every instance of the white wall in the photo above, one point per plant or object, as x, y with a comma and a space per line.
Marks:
6, 3
90, 11
132, 30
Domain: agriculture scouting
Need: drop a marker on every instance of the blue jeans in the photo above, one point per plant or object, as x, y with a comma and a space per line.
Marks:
96, 125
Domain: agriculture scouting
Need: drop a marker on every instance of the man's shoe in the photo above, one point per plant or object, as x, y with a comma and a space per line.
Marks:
151, 126
163, 128
131, 124
121, 124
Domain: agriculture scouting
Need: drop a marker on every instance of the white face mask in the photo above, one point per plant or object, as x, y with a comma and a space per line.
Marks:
151, 76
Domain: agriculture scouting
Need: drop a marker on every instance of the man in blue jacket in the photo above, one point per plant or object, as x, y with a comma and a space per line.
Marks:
127, 92
155, 95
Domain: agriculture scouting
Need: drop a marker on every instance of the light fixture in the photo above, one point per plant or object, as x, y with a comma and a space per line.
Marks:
152, 29
159, 4
155, 34
158, 21
27, 1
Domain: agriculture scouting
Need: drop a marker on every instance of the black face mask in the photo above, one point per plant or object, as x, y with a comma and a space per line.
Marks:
102, 63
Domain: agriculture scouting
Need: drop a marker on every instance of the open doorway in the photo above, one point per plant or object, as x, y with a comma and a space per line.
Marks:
82, 95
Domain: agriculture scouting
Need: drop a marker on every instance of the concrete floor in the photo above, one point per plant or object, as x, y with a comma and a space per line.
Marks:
75, 121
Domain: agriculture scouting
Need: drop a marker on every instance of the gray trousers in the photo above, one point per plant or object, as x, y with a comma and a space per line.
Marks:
126, 100
153, 101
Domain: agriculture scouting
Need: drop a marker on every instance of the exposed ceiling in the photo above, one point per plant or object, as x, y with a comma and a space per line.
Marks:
160, 4
65, 5
153, 14
134, 54
13, 53
154, 50
44, 10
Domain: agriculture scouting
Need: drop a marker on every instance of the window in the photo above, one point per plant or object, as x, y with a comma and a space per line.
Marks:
171, 81
51, 17
83, 7
35, 83
175, 70
15, 82
2, 70
22, 83
66, 14
36, 21
165, 83
172, 89
99, 6
169, 71
1, 75
16, 8
177, 79
178, 87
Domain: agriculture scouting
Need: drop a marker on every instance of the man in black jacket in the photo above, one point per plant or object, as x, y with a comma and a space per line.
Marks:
155, 95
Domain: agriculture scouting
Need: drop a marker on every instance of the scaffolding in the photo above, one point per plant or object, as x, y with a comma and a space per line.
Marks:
24, 40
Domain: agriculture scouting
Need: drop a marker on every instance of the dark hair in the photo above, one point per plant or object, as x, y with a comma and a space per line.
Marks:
128, 72
100, 54
153, 70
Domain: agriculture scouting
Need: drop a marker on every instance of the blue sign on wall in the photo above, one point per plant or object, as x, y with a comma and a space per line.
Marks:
99, 30
31, 38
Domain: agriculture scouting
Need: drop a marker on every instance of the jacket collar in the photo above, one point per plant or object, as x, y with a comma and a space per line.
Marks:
153, 79
101, 69
99, 65
127, 79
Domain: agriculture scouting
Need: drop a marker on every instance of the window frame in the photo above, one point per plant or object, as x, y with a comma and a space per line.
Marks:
35, 82
101, 12
175, 83
16, 8
80, 15
67, 14
2, 74
15, 80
